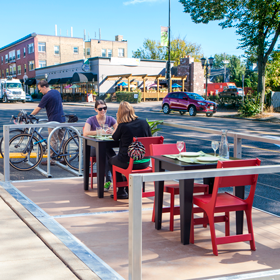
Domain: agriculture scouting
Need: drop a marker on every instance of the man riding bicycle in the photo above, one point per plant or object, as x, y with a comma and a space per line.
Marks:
52, 101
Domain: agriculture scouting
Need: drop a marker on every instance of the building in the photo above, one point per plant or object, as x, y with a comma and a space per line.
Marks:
20, 58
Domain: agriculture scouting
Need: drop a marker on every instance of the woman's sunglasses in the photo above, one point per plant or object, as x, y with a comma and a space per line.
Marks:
103, 108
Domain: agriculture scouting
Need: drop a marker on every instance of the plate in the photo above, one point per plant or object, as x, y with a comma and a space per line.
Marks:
190, 154
207, 159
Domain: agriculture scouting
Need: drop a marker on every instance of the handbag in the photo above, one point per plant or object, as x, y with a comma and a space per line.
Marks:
136, 150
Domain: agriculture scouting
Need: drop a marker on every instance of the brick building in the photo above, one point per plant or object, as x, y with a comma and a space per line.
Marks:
20, 58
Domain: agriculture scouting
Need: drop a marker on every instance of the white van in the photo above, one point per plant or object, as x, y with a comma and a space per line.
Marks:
11, 90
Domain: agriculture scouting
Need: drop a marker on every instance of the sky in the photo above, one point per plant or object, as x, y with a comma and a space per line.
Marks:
136, 20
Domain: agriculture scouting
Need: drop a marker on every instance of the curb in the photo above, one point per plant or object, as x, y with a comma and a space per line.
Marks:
69, 259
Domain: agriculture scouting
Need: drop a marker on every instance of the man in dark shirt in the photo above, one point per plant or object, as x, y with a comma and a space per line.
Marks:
52, 101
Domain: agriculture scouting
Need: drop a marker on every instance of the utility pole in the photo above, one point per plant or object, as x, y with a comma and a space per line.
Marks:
225, 69
169, 58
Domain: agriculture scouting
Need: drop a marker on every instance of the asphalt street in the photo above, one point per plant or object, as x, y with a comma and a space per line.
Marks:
268, 190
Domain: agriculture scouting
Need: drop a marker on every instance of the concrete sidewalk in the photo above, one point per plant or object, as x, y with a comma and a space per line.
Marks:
30, 251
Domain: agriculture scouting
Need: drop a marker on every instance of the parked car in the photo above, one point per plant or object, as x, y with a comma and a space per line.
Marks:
28, 98
240, 92
188, 102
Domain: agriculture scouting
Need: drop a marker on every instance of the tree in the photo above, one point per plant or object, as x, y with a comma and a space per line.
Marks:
272, 80
179, 48
256, 21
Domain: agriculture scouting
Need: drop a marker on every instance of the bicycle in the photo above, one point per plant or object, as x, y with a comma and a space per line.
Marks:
27, 149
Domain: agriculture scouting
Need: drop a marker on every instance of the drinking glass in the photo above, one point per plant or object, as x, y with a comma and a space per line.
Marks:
215, 146
98, 131
105, 128
180, 146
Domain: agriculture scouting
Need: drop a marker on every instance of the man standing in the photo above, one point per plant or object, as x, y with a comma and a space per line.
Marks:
52, 101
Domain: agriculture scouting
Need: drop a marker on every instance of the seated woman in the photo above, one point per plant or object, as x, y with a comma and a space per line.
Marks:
129, 126
90, 129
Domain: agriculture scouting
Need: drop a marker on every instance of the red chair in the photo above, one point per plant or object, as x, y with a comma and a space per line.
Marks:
173, 189
91, 173
146, 141
225, 202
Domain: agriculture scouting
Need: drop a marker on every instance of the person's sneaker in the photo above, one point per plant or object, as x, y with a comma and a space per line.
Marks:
121, 195
107, 186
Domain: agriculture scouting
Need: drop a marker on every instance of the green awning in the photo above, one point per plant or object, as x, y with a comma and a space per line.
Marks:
65, 80
53, 81
30, 82
84, 77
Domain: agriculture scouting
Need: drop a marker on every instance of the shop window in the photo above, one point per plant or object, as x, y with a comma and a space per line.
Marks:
19, 69
103, 52
75, 50
31, 48
18, 54
31, 65
41, 47
121, 52
109, 52
42, 63
7, 72
88, 51
56, 49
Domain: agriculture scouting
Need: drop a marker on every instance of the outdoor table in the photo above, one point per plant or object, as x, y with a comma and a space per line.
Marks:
163, 163
100, 146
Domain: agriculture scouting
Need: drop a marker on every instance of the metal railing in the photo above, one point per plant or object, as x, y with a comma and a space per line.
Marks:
135, 202
55, 125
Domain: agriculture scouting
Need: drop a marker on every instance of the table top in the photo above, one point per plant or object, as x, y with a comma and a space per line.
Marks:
98, 139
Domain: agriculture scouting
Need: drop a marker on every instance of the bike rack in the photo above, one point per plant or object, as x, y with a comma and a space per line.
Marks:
67, 168
55, 125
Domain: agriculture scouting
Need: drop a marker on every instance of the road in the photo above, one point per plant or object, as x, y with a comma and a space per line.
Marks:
268, 189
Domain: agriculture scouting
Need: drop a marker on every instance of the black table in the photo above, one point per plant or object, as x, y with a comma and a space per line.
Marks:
186, 194
100, 146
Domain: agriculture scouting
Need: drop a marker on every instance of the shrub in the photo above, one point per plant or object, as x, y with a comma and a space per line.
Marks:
153, 125
250, 107
128, 96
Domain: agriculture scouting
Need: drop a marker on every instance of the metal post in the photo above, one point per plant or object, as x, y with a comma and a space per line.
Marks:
135, 227
169, 56
6, 153
237, 153
80, 156
206, 86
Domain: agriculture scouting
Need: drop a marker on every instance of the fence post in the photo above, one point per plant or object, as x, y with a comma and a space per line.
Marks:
237, 153
6, 153
135, 227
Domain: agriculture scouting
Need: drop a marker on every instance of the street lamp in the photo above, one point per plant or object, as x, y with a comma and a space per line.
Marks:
208, 63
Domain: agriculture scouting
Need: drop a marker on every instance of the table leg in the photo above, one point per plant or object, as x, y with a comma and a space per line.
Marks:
100, 165
158, 198
210, 183
186, 204
239, 192
86, 163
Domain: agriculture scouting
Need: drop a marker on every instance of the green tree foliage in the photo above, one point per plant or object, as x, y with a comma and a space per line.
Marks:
179, 48
272, 80
256, 21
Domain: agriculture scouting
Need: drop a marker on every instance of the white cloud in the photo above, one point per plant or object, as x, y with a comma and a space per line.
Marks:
139, 1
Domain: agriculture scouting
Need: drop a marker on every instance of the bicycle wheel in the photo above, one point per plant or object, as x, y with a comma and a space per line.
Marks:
25, 152
71, 152
13, 133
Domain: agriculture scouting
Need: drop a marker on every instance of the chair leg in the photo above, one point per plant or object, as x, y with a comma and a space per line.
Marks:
250, 229
204, 214
172, 198
213, 233
192, 230
114, 184
153, 215
143, 190
227, 225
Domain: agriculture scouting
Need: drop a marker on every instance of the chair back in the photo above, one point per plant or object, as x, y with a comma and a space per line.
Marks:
147, 141
237, 181
164, 149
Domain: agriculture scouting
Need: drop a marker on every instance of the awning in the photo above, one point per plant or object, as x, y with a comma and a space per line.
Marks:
84, 77
53, 81
65, 80
30, 82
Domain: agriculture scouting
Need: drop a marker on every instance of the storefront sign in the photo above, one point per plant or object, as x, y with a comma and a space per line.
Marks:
86, 66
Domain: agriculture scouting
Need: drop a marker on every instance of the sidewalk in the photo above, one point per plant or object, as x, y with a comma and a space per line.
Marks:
29, 251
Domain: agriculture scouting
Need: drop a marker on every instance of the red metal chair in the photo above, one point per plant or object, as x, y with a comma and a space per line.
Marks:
146, 141
225, 202
173, 189
91, 173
